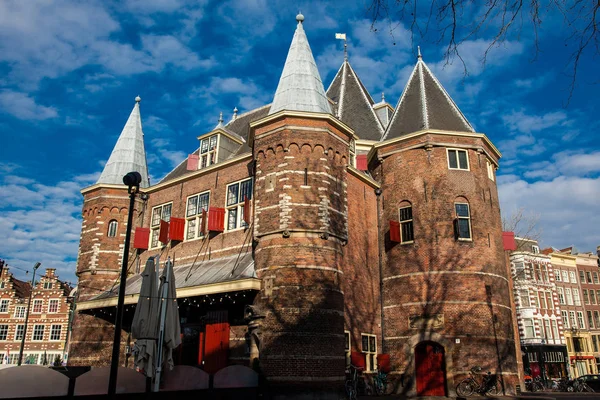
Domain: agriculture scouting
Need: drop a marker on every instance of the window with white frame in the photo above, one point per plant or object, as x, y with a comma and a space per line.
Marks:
547, 332
565, 318
406, 223
565, 274
4, 305
576, 298
555, 329
589, 276
561, 295
581, 276
38, 333
592, 297
20, 311
19, 330
3, 332
369, 347
586, 298
208, 151
519, 270
37, 306
550, 301
545, 276
112, 228
53, 305
590, 319
2, 285
542, 299
193, 214
535, 249
463, 221
524, 296
557, 275
236, 194
597, 293
580, 320
573, 276
55, 331
569, 296
458, 159
352, 158
595, 274
529, 329
572, 319
347, 348
597, 318
490, 170
162, 212
48, 285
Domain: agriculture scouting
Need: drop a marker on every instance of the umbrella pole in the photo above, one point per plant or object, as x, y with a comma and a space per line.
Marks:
164, 295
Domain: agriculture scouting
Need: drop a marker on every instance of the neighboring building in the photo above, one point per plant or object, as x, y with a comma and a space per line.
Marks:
538, 312
317, 229
587, 267
48, 324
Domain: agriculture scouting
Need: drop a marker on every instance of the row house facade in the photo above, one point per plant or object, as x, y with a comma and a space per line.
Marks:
48, 323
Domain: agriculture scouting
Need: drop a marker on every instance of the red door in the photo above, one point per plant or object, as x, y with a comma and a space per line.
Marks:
429, 363
216, 341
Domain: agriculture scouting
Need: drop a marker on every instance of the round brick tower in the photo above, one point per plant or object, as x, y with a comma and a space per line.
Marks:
445, 280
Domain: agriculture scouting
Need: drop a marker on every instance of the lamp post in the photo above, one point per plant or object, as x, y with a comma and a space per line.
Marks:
35, 267
574, 332
132, 180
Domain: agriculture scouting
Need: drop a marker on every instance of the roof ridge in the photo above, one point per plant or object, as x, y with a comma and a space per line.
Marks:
423, 94
248, 112
395, 114
366, 96
342, 89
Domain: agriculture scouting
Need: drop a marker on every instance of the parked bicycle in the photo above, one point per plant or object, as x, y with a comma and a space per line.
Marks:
355, 384
487, 385
380, 383
534, 385
580, 386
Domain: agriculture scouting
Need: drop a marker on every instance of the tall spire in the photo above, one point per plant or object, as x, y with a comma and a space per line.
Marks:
129, 153
300, 87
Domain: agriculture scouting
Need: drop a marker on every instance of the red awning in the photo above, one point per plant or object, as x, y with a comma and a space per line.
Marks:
582, 358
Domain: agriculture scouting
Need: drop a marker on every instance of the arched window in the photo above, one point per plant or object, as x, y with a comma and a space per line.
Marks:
462, 221
112, 228
406, 222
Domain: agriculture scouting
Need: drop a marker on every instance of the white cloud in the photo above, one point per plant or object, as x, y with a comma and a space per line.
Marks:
526, 123
566, 163
24, 107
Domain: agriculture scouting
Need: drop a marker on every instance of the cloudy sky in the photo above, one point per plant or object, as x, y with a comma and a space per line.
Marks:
70, 70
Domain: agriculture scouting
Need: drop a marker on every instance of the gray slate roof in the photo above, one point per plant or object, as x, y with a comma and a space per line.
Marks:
354, 103
129, 153
217, 270
300, 87
425, 104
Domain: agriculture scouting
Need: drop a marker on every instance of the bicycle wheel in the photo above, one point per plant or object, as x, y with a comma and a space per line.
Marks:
465, 388
586, 388
379, 387
539, 387
493, 390
350, 391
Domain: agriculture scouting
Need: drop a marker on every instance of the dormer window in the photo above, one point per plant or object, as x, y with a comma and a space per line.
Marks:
208, 151
47, 285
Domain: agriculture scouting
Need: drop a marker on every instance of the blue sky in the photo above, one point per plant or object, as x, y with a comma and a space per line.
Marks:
70, 70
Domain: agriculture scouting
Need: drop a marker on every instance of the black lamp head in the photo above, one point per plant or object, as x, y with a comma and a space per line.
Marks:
132, 179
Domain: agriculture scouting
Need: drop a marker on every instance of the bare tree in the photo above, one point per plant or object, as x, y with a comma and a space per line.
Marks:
458, 20
524, 224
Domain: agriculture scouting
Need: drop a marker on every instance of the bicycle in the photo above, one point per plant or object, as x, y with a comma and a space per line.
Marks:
580, 386
351, 384
487, 386
380, 383
534, 385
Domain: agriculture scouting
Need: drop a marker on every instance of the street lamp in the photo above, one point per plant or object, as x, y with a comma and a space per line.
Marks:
132, 180
35, 267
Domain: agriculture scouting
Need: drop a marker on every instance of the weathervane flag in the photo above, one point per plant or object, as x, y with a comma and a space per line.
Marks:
340, 36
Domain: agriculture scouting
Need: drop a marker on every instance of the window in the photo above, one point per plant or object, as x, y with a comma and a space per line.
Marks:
519, 270
569, 296
595, 343
458, 159
597, 294
20, 311
545, 274
565, 319
547, 332
592, 297
47, 285
369, 347
55, 332
549, 301
490, 170
53, 306
37, 306
580, 320
590, 319
193, 214
596, 318
542, 300
19, 332
565, 276
557, 275
572, 320
406, 225
561, 296
112, 228
586, 298
576, 297
4, 305
573, 277
3, 332
524, 295
555, 329
236, 194
463, 221
535, 249
208, 151
162, 212
38, 332
529, 331
582, 277
2, 285
595, 277
347, 348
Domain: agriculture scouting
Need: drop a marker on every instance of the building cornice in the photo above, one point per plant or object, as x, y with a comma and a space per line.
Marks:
361, 175
235, 138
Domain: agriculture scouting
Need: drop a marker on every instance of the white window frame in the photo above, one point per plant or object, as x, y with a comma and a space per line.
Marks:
458, 167
370, 353
33, 333
593, 297
546, 329
4, 304
490, 170
565, 274
467, 218
53, 332
555, 329
557, 277
20, 311
4, 332
238, 207
348, 347
48, 285
53, 301
155, 222
113, 227
407, 222
2, 284
565, 318
561, 295
580, 320
573, 276
535, 249
19, 335
590, 319
41, 308
576, 298
542, 299
193, 222
550, 300
573, 319
208, 156
569, 296
524, 298
528, 328
586, 297
595, 276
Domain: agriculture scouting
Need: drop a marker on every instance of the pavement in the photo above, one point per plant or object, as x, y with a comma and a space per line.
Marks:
524, 396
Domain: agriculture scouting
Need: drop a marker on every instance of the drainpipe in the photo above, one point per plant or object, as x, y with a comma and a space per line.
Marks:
380, 246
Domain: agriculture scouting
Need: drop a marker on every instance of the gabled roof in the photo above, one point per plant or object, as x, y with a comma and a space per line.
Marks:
354, 103
300, 87
425, 104
129, 153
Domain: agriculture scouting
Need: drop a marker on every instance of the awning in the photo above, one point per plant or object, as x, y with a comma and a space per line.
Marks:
219, 275
582, 358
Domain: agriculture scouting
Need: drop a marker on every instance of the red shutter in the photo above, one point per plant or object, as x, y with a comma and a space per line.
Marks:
176, 229
383, 363
395, 231
361, 162
163, 236
247, 210
204, 226
216, 343
192, 162
216, 219
358, 359
508, 239
141, 237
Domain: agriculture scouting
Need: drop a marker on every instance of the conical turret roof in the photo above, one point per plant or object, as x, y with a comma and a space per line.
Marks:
354, 103
425, 104
300, 87
128, 154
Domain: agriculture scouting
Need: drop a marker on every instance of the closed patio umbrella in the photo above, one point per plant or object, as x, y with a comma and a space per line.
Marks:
145, 321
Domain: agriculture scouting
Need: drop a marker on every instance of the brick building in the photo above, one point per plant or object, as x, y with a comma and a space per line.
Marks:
48, 324
587, 268
318, 229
